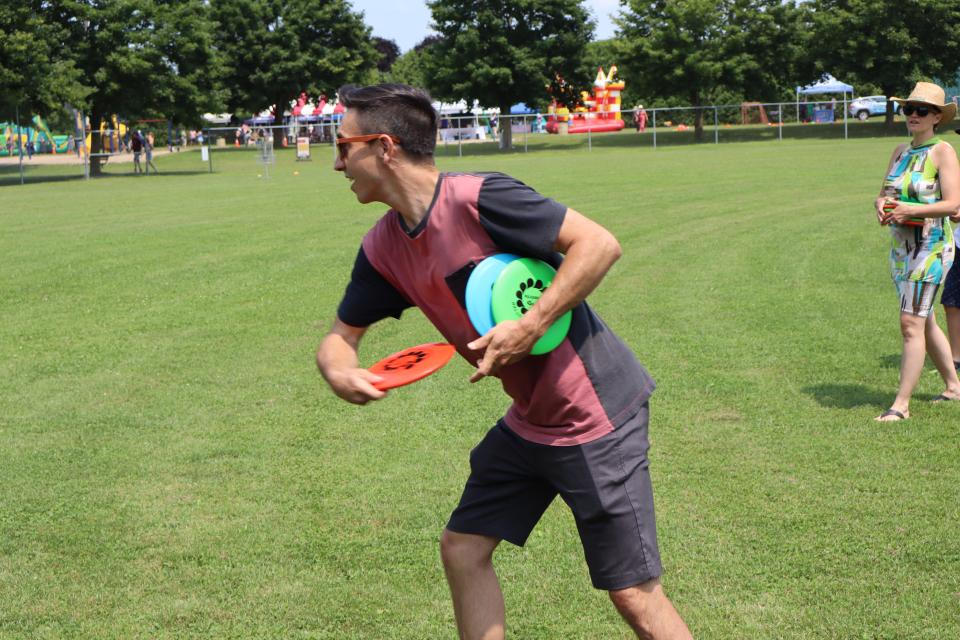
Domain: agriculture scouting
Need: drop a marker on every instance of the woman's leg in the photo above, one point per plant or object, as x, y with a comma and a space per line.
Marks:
911, 363
939, 349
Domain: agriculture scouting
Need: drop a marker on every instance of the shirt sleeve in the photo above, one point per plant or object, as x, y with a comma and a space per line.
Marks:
369, 297
517, 218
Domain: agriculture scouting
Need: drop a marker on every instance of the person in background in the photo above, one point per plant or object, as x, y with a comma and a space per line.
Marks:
921, 189
950, 298
148, 152
136, 145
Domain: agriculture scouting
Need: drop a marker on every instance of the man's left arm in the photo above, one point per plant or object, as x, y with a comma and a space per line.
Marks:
589, 252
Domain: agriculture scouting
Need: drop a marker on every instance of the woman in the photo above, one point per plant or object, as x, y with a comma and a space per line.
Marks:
920, 190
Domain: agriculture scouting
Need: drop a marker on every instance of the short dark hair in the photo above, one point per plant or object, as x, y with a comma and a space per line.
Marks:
397, 109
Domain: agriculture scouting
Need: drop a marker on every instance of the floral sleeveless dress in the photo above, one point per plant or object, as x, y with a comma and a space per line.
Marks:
918, 254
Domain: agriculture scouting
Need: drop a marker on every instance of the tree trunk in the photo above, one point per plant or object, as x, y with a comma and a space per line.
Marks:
698, 125
891, 106
506, 131
278, 134
96, 142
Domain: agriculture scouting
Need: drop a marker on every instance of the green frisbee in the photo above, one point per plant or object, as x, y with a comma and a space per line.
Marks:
517, 289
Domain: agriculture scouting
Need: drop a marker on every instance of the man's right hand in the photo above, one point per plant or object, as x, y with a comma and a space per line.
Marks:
355, 385
337, 360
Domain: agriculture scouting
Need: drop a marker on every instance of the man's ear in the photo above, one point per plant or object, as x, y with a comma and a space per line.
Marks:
389, 150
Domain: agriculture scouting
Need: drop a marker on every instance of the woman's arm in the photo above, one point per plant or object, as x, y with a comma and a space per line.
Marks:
882, 216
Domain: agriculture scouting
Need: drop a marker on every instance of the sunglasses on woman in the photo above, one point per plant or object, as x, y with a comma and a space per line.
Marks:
923, 112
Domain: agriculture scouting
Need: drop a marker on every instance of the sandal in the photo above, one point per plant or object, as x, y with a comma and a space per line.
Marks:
944, 398
891, 413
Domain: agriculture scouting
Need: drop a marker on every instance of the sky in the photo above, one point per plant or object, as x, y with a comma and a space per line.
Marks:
407, 22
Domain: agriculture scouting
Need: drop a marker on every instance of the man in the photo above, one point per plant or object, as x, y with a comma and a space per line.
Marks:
578, 424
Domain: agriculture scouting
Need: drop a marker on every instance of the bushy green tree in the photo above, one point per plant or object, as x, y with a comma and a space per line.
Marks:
501, 52
701, 49
884, 43
411, 67
275, 49
134, 58
35, 76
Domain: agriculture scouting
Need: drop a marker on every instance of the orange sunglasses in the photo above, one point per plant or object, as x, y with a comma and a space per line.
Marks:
364, 138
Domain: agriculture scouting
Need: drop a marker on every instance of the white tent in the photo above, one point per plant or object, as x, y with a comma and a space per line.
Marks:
827, 84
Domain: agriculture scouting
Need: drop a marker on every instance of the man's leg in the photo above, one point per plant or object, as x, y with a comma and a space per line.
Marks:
953, 330
649, 612
938, 347
477, 600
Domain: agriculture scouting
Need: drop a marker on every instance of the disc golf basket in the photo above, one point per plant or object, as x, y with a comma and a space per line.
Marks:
265, 154
753, 113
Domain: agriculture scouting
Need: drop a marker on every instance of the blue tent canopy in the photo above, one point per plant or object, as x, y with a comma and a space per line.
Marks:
520, 109
827, 84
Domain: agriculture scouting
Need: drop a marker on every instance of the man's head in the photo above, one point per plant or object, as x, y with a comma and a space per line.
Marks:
398, 110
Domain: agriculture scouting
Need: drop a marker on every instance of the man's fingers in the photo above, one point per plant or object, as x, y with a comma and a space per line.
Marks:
481, 342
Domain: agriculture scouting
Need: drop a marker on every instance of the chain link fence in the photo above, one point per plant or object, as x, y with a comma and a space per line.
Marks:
61, 145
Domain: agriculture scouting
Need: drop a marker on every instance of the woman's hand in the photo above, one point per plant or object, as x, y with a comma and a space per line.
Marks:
883, 216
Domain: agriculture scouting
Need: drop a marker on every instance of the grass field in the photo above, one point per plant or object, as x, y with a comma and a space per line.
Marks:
172, 466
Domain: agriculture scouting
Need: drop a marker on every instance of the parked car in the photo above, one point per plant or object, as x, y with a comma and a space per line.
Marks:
863, 108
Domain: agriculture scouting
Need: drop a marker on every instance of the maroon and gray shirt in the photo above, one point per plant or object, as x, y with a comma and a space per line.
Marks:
580, 391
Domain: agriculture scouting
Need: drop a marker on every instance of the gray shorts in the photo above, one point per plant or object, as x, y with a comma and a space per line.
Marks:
606, 483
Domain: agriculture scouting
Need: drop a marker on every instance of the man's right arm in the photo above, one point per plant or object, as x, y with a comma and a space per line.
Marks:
339, 365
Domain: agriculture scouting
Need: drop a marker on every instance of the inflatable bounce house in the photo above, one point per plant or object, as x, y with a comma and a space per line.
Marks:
597, 113
39, 135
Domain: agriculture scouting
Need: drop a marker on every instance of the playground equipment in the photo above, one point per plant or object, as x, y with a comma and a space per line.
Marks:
599, 112
39, 135
748, 116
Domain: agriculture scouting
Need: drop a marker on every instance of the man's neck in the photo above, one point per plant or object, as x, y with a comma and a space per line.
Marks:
414, 193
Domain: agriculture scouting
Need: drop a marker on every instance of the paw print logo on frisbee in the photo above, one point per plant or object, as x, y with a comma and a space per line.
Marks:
407, 360
528, 293
412, 364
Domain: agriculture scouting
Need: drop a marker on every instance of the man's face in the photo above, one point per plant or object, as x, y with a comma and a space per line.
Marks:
359, 161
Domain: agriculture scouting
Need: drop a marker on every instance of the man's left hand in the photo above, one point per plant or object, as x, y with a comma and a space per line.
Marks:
508, 342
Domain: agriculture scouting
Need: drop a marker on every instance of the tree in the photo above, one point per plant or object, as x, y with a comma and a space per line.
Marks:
135, 58
501, 52
274, 49
34, 75
411, 67
699, 49
389, 52
884, 43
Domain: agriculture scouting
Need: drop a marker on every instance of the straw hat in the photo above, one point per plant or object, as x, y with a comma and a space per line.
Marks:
931, 94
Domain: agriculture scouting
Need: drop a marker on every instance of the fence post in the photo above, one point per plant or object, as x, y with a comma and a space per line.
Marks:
209, 142
844, 115
19, 144
524, 134
86, 149
459, 137
780, 121
716, 126
654, 128
589, 136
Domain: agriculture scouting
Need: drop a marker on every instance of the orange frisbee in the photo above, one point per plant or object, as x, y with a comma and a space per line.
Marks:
408, 366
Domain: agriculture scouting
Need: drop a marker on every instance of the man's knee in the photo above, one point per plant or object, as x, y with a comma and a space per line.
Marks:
466, 550
640, 602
